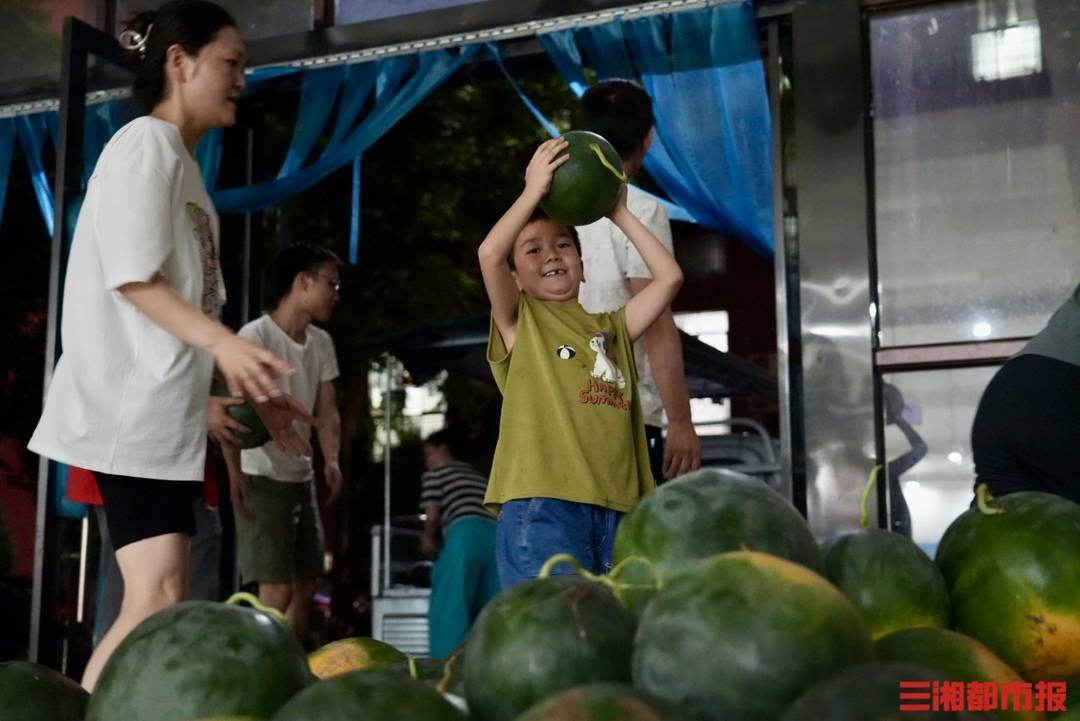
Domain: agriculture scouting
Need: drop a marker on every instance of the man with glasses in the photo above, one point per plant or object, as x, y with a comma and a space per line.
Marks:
278, 532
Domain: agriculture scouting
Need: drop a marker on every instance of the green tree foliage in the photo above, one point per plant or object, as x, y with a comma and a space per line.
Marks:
432, 188
32, 49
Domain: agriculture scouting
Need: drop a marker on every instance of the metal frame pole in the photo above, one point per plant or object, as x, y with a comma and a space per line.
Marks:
387, 408
80, 41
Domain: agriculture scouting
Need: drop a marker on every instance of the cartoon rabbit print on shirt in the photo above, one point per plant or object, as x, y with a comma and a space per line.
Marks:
604, 368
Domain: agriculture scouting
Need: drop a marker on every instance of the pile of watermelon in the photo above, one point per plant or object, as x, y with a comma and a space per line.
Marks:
721, 607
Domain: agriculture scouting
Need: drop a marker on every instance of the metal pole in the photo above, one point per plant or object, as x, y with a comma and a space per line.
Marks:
783, 329
387, 407
43, 623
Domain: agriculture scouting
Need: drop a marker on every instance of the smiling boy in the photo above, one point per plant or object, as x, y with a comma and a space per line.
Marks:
571, 457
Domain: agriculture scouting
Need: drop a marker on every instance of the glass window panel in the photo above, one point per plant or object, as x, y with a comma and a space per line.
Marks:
938, 408
32, 32
254, 18
977, 167
358, 11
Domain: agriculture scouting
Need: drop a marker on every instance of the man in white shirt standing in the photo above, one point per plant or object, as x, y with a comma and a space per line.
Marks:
621, 111
279, 534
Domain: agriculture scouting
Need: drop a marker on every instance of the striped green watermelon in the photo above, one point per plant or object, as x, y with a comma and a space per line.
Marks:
585, 188
699, 515
892, 581
953, 657
200, 659
1013, 574
543, 636
601, 702
742, 634
33, 692
368, 696
870, 692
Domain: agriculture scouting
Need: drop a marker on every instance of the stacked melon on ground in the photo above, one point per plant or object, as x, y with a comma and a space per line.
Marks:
722, 607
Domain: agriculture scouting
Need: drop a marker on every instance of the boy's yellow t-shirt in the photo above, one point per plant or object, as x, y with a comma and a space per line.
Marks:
571, 425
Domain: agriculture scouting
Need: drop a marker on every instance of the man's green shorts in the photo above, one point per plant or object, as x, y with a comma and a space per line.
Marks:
285, 540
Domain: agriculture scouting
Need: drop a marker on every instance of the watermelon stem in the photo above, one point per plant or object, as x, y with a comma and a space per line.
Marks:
983, 498
242, 597
621, 566
610, 579
864, 512
551, 563
617, 172
447, 674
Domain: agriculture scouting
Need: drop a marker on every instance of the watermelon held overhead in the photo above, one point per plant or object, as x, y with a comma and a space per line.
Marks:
742, 634
30, 691
1012, 584
200, 659
699, 515
585, 188
541, 637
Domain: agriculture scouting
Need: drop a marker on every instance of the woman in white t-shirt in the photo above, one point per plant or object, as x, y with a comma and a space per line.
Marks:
129, 396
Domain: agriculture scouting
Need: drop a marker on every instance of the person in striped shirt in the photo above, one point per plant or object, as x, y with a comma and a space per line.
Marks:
464, 578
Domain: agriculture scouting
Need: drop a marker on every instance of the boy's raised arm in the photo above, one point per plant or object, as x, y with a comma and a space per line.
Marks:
647, 305
501, 288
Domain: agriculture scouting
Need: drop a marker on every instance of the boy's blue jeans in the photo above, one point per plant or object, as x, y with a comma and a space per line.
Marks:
532, 530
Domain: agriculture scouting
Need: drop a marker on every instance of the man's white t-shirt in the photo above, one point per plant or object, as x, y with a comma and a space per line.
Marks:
610, 260
314, 362
127, 397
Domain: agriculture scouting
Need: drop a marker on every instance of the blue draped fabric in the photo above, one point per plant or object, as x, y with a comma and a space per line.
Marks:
711, 151
317, 95
31, 130
401, 83
7, 151
208, 156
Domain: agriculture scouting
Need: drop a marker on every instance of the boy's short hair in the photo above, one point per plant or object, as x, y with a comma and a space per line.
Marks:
300, 258
621, 111
445, 437
539, 214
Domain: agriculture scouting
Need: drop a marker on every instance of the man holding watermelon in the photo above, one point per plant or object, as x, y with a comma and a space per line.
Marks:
621, 111
278, 530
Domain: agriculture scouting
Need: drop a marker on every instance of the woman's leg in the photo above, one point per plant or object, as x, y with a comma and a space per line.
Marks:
155, 574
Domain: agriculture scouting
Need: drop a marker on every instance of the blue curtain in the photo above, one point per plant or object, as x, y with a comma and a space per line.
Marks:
32, 131
711, 151
7, 150
399, 84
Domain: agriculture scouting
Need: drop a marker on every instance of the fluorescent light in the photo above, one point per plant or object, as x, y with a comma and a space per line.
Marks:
956, 457
1009, 52
982, 329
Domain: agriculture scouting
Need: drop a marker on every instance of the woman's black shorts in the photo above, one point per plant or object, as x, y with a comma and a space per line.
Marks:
138, 508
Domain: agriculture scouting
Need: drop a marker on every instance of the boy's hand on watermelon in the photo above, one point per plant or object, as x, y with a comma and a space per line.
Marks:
278, 414
220, 425
544, 163
620, 204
